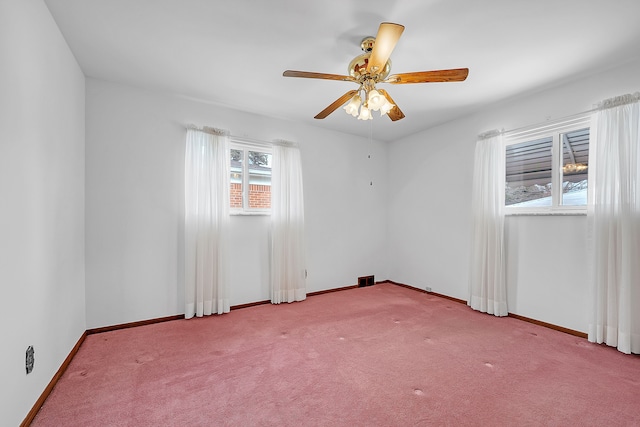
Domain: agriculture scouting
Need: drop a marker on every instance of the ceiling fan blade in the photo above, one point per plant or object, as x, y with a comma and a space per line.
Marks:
395, 113
335, 105
388, 36
455, 75
324, 76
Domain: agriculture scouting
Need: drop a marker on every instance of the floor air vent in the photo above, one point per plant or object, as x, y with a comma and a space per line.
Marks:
365, 281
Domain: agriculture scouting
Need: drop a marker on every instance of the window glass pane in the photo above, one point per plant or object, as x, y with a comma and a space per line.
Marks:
575, 164
235, 190
528, 173
259, 180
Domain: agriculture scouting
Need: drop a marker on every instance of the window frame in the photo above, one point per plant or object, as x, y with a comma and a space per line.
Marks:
553, 130
246, 145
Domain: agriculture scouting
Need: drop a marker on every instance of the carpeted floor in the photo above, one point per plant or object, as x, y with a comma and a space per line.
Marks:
376, 356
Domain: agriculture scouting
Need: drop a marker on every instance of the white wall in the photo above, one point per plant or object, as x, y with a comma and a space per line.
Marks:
135, 197
429, 208
42, 193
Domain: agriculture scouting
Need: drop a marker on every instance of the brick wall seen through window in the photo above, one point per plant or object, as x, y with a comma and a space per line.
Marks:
250, 188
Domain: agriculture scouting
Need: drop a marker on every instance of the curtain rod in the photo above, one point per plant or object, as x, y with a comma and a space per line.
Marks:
208, 129
248, 140
603, 105
576, 116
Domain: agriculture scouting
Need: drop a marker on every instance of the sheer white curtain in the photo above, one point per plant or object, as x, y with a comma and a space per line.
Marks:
487, 283
287, 226
206, 222
614, 219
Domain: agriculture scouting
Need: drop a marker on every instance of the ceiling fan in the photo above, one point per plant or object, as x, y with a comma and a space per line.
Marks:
372, 67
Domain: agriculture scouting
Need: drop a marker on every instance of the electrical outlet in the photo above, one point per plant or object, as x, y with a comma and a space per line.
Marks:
428, 289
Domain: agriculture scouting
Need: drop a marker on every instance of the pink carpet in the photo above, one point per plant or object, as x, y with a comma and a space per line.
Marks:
376, 356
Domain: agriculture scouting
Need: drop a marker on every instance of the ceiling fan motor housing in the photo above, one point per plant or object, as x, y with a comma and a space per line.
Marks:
358, 65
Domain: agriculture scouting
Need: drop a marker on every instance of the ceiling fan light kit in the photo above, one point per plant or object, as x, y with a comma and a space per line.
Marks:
374, 101
372, 67
365, 114
354, 105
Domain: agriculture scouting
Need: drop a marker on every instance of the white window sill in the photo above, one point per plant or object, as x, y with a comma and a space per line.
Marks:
244, 213
548, 213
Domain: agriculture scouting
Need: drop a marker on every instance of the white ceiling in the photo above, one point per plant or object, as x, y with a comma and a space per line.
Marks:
233, 52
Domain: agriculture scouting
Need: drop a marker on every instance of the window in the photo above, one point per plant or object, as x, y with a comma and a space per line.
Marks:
546, 169
250, 183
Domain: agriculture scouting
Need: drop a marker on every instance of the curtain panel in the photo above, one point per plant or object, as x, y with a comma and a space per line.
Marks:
288, 260
614, 223
487, 282
206, 222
